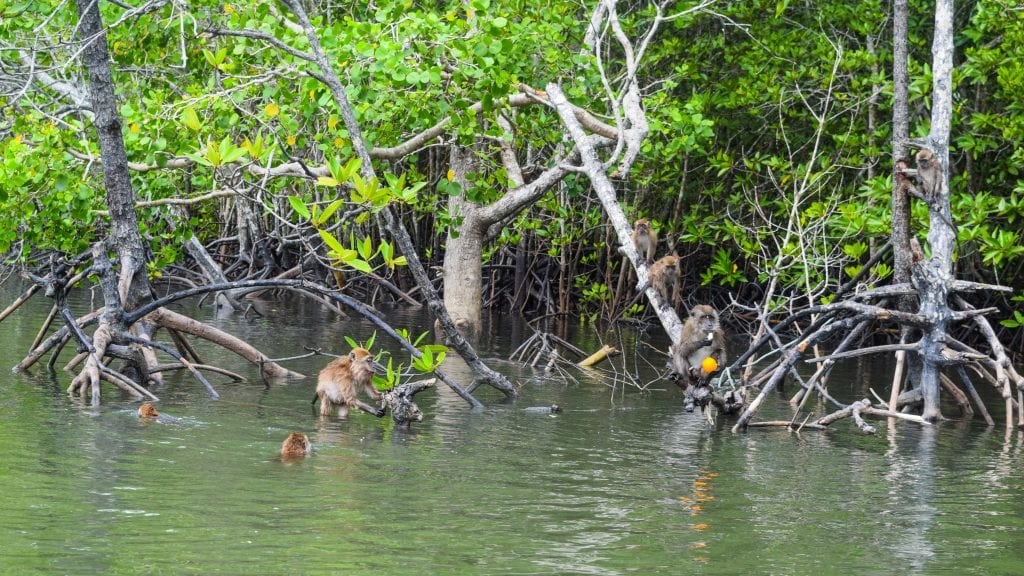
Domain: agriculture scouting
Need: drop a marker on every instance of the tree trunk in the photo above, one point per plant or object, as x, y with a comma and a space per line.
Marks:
133, 285
934, 277
463, 283
900, 132
592, 167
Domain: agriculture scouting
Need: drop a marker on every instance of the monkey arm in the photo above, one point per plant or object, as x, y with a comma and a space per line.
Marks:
687, 348
374, 410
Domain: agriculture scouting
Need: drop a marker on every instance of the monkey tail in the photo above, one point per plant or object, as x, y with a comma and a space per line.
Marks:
313, 401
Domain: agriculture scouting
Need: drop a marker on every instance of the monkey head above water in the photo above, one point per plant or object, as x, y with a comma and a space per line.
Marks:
148, 411
296, 445
701, 348
340, 381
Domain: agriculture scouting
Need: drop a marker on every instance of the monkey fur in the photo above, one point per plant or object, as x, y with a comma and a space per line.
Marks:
148, 411
295, 446
664, 276
340, 380
702, 337
645, 239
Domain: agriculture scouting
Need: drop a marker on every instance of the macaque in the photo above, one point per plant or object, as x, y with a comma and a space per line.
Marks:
148, 411
340, 380
645, 239
295, 446
702, 337
929, 172
664, 276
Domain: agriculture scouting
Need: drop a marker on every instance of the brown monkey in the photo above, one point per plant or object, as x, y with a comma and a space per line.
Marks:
295, 446
645, 239
340, 380
929, 172
148, 411
702, 338
664, 276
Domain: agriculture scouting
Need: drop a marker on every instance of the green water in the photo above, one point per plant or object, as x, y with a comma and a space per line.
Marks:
619, 483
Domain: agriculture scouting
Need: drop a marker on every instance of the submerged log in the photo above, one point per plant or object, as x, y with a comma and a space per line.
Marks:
598, 356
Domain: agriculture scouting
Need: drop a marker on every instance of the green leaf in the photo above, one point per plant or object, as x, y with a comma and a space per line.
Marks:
331, 209
360, 265
365, 248
331, 241
190, 119
299, 207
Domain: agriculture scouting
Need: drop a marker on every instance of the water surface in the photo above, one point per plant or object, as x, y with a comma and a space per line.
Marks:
621, 482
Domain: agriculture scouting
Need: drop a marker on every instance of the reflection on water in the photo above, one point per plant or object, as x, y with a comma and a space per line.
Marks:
619, 482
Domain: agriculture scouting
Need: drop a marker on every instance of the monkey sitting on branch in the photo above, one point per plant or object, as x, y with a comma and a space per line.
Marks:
702, 338
664, 276
339, 381
645, 239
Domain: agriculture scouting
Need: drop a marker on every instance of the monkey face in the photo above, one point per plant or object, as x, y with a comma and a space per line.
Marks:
707, 323
362, 362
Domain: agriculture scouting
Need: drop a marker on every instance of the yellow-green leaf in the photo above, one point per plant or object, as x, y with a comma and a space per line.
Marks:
190, 119
360, 265
331, 241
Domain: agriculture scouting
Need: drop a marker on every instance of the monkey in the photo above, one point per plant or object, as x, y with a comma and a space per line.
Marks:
664, 275
916, 253
930, 177
645, 239
929, 172
147, 411
702, 337
340, 380
295, 446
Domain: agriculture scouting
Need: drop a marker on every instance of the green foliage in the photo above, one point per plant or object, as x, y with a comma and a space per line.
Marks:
1017, 321
733, 161
723, 270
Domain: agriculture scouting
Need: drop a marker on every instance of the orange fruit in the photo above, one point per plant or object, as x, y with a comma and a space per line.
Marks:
709, 365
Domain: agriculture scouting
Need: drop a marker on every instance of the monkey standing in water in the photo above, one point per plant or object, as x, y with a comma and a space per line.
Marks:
645, 239
702, 338
664, 276
339, 381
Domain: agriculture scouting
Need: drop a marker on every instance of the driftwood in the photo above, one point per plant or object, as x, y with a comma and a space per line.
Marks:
399, 400
598, 356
